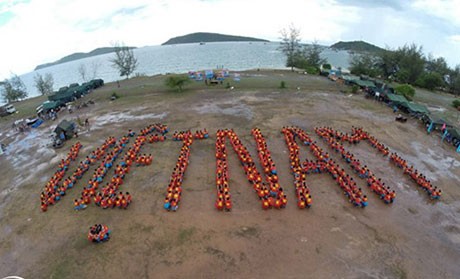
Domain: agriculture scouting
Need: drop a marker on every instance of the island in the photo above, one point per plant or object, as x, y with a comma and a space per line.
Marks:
79, 55
202, 37
357, 46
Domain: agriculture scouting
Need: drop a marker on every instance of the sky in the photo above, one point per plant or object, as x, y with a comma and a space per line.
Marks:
34, 32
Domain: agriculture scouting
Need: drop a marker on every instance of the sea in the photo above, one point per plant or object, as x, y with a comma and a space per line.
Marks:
181, 58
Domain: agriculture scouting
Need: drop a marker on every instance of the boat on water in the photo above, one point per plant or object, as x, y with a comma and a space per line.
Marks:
202, 43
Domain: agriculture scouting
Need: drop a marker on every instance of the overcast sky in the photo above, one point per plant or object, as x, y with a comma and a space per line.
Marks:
33, 32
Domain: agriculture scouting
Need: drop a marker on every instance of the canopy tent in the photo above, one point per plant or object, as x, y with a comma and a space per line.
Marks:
436, 120
65, 127
416, 108
397, 99
363, 83
455, 133
49, 105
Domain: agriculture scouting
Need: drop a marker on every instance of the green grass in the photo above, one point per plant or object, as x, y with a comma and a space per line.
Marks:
25, 109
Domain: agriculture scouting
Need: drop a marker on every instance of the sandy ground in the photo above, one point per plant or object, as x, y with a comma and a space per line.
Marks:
412, 238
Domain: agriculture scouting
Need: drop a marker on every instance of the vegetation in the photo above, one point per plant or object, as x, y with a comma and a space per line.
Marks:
429, 81
209, 37
311, 70
408, 64
282, 84
13, 89
290, 46
358, 46
86, 75
177, 81
354, 89
364, 64
304, 57
406, 90
124, 60
45, 84
456, 103
79, 55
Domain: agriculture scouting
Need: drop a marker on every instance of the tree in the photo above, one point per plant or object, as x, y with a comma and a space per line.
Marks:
406, 90
436, 65
82, 72
13, 89
430, 81
177, 81
290, 46
364, 64
411, 62
88, 75
45, 84
454, 84
387, 63
312, 55
124, 60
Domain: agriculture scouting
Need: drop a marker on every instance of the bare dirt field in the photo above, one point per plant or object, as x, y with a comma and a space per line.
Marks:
412, 238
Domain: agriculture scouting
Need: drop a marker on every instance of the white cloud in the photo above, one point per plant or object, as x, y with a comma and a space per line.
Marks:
44, 31
448, 10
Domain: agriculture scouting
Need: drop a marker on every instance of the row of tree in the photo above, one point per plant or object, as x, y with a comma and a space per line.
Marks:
408, 64
13, 89
307, 57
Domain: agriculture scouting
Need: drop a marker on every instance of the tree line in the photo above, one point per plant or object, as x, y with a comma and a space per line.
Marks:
407, 64
13, 89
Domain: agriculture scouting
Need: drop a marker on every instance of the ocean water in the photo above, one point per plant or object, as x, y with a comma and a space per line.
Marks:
153, 60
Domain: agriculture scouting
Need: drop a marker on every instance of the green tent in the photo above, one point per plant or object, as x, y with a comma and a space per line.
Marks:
397, 99
455, 133
65, 127
364, 83
49, 105
416, 108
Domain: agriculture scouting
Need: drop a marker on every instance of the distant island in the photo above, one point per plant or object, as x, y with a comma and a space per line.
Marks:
202, 37
356, 46
78, 55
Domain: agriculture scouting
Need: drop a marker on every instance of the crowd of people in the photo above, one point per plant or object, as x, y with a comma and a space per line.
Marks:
99, 174
421, 180
52, 192
55, 193
333, 138
223, 191
278, 198
107, 197
323, 164
174, 190
99, 233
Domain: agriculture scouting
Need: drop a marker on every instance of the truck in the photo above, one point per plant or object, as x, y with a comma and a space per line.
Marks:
7, 110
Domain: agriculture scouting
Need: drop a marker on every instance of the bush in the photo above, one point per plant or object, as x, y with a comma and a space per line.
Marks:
228, 86
430, 81
327, 66
456, 103
354, 88
312, 70
406, 90
282, 84
177, 81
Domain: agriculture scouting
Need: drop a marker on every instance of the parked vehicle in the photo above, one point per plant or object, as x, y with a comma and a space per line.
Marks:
7, 110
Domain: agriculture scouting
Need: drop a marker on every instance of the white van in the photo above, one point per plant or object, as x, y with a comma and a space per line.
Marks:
10, 109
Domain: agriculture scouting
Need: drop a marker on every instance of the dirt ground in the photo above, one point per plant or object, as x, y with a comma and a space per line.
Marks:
412, 238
